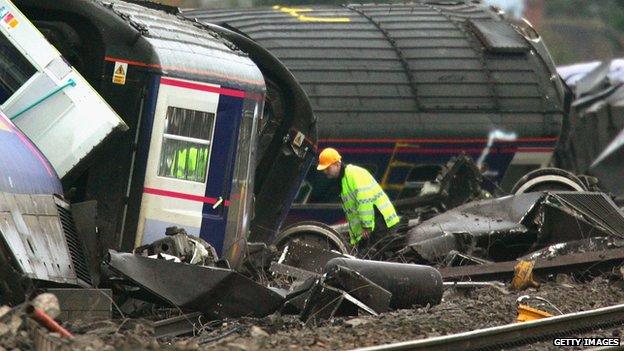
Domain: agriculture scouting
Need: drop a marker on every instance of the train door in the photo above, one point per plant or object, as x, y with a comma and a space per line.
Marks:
190, 160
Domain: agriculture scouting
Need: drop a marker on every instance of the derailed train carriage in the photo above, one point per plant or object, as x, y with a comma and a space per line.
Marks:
38, 239
194, 105
402, 88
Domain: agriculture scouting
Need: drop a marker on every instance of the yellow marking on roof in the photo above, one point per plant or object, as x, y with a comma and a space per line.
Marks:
296, 12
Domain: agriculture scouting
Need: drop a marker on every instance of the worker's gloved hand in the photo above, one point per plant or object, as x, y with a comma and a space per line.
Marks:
366, 233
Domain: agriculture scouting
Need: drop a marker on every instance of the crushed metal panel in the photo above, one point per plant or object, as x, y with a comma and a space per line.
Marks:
498, 36
13, 284
217, 292
617, 98
300, 292
325, 302
508, 227
360, 287
598, 208
461, 228
298, 254
502, 214
290, 271
593, 102
583, 262
30, 226
56, 107
595, 78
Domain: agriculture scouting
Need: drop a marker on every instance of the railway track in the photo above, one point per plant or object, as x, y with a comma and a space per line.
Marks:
516, 334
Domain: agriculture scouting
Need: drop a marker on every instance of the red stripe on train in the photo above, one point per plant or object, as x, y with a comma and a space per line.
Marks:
183, 196
202, 87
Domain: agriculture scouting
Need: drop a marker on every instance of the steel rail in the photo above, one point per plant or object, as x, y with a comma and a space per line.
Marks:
516, 334
176, 326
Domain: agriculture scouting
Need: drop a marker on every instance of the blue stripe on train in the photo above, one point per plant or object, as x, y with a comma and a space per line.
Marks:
220, 171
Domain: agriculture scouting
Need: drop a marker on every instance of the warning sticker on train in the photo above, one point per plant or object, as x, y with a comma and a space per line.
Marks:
119, 73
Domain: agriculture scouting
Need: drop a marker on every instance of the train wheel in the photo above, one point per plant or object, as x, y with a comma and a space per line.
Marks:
543, 179
315, 234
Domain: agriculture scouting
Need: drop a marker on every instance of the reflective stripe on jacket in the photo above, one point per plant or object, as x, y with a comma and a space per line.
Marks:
360, 195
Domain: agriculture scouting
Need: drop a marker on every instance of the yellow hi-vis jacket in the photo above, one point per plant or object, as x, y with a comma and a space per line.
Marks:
191, 163
360, 195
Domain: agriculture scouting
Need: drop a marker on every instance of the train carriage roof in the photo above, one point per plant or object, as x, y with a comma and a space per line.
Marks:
382, 68
24, 168
155, 40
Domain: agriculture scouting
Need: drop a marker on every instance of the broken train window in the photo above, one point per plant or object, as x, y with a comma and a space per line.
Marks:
186, 144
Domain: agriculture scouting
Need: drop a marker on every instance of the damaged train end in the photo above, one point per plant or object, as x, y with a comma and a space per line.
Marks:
215, 122
39, 243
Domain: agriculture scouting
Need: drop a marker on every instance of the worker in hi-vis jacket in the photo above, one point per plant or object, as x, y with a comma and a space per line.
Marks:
368, 209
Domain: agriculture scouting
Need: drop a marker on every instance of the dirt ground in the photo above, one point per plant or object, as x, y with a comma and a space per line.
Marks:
461, 310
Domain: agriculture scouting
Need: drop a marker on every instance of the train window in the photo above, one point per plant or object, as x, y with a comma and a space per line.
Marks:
15, 70
186, 144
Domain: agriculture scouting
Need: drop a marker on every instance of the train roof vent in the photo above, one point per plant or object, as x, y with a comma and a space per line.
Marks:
498, 36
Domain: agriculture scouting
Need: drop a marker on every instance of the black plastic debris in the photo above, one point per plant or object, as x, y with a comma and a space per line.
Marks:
307, 257
409, 284
290, 271
296, 304
302, 286
358, 286
300, 291
217, 292
325, 302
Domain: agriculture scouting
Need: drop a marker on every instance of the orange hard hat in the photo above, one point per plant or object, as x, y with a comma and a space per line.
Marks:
328, 157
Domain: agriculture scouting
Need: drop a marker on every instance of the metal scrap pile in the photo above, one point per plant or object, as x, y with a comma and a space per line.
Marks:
554, 221
343, 286
592, 136
509, 227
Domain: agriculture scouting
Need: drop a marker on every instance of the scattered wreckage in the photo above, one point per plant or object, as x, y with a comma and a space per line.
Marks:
471, 236
454, 228
591, 139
